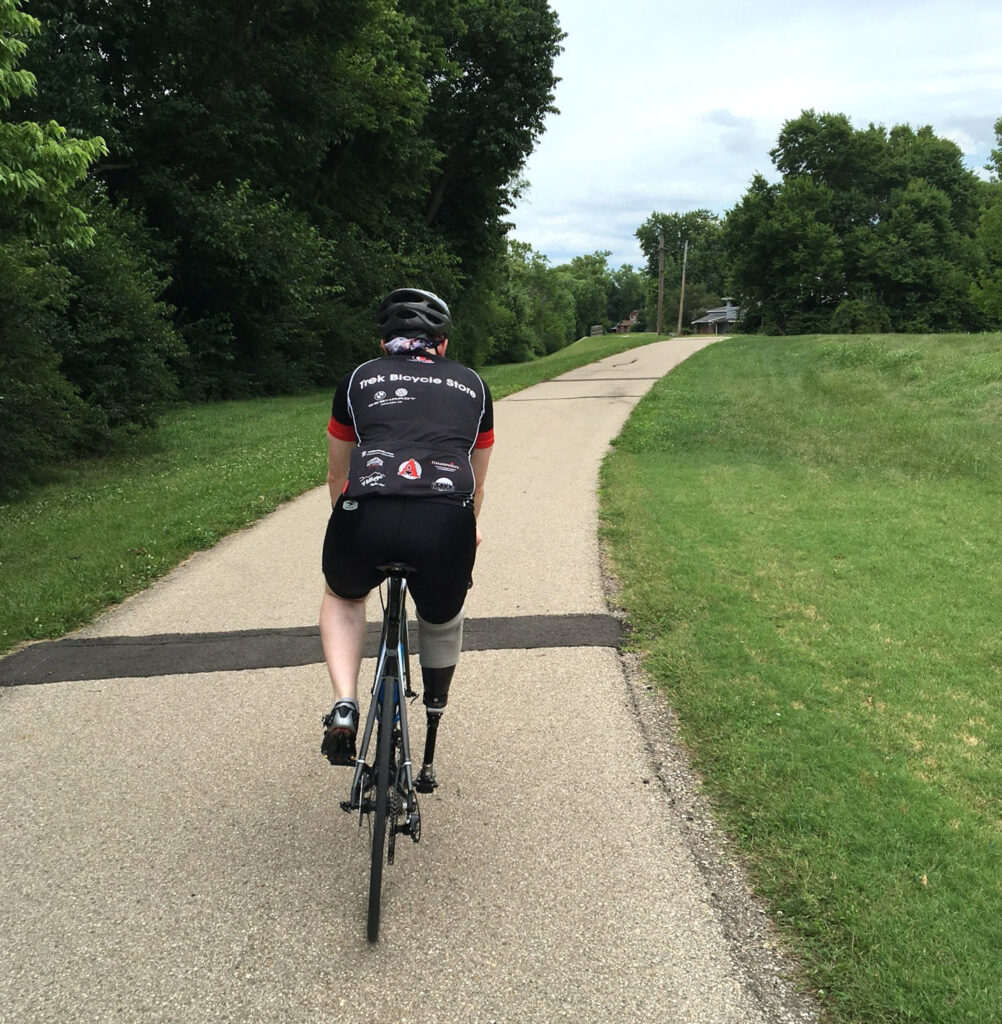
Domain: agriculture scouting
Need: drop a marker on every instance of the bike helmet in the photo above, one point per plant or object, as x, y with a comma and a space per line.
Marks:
410, 312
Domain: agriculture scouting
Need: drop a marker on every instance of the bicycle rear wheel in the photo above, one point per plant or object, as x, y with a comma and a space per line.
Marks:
382, 798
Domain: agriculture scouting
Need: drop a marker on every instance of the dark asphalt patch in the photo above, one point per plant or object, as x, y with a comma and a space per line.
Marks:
117, 657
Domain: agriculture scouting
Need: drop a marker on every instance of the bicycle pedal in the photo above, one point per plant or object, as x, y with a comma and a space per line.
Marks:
426, 781
411, 826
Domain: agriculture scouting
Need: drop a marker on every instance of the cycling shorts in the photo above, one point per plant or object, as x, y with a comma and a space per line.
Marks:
438, 539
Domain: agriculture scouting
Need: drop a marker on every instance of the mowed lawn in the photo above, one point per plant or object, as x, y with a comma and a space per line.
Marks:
103, 529
808, 534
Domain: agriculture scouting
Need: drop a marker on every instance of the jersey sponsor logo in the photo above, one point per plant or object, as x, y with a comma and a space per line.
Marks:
420, 359
349, 506
460, 387
381, 398
445, 467
410, 470
374, 463
373, 480
376, 451
443, 484
378, 379
407, 378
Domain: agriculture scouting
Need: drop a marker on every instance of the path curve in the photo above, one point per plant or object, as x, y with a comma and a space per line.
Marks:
171, 845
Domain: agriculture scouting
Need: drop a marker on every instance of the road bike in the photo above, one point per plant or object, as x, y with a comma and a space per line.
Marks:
384, 791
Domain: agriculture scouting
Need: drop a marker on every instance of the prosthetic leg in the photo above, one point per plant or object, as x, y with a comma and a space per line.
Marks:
436, 696
440, 644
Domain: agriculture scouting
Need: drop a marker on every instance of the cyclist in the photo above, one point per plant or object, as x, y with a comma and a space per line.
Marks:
409, 441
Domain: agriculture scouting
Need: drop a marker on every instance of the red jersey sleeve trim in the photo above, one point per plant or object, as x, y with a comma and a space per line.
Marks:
341, 432
485, 439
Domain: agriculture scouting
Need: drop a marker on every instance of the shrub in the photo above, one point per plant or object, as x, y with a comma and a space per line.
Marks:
860, 316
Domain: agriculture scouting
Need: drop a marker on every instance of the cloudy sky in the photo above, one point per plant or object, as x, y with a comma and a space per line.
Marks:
672, 107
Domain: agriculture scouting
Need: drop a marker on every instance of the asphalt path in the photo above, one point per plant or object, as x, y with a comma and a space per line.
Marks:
171, 842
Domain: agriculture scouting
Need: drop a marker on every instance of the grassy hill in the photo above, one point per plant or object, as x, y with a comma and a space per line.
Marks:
808, 534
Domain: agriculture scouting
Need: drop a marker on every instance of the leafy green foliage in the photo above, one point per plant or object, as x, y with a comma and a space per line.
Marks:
883, 218
116, 343
707, 271
787, 257
39, 167
986, 290
860, 316
39, 164
259, 277
39, 409
268, 172
534, 309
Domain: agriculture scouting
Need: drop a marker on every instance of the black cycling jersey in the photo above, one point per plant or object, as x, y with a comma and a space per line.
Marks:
416, 418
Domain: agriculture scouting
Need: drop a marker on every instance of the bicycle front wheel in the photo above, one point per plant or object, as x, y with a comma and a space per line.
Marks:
382, 800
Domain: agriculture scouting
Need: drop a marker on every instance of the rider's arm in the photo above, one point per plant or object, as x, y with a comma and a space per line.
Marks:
479, 459
341, 439
338, 460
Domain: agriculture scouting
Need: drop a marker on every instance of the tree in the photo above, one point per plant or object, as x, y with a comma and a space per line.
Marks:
590, 282
394, 132
986, 289
707, 271
533, 310
917, 262
115, 340
39, 166
876, 219
628, 292
995, 161
486, 113
786, 256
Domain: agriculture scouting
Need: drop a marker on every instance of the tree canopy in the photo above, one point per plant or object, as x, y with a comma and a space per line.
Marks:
707, 271
878, 224
237, 185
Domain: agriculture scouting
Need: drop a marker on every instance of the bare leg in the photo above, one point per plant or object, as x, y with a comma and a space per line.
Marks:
342, 633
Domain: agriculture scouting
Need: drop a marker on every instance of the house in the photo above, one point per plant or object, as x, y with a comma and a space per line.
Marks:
624, 326
718, 321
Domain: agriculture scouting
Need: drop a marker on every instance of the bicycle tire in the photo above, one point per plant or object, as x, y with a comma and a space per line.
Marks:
382, 798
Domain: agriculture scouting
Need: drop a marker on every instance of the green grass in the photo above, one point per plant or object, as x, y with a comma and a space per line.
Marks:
104, 529
824, 518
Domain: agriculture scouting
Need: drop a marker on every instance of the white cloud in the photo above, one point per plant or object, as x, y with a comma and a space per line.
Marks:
672, 108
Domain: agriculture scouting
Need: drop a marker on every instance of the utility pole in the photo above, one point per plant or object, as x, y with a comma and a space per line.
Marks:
681, 298
661, 280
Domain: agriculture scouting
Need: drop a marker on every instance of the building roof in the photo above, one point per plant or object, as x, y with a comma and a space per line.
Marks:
723, 314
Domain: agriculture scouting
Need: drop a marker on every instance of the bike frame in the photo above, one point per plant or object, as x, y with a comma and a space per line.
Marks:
392, 669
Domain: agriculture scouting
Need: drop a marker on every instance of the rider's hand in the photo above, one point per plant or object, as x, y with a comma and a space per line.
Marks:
480, 536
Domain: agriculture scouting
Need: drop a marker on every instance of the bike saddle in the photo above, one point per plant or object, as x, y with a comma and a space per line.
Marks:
397, 569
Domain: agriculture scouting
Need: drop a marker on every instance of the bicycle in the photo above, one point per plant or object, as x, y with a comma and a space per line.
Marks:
386, 789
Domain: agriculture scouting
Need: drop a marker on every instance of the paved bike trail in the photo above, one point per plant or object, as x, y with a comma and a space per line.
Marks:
171, 844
